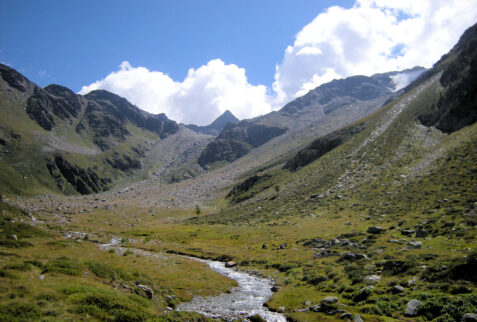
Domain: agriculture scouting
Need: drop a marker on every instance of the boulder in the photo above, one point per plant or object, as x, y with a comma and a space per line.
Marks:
351, 256
421, 233
357, 318
407, 232
144, 291
330, 300
397, 289
415, 244
375, 230
412, 307
469, 317
345, 315
230, 264
372, 279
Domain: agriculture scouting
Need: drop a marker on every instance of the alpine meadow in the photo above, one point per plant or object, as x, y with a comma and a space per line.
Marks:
353, 200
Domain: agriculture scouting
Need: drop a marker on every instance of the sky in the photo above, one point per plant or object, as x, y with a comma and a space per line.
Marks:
195, 59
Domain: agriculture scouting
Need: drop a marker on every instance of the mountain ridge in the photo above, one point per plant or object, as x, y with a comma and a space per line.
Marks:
217, 125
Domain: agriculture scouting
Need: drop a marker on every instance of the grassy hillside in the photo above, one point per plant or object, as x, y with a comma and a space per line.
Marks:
45, 276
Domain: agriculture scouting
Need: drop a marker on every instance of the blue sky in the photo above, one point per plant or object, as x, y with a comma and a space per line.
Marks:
74, 43
195, 59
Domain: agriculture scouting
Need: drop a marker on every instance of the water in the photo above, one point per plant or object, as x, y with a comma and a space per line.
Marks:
244, 300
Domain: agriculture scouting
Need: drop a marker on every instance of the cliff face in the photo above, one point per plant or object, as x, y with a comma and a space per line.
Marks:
457, 105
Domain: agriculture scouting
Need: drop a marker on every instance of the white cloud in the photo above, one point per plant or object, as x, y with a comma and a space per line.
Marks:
203, 95
371, 37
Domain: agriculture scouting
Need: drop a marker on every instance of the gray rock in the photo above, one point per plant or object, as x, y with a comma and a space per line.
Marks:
144, 291
308, 303
372, 278
346, 315
315, 308
469, 317
14, 237
330, 300
351, 256
395, 241
421, 233
41, 277
397, 289
415, 244
324, 252
230, 264
407, 232
357, 318
375, 230
412, 307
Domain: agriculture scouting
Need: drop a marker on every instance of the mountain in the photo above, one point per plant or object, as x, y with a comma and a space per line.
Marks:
236, 140
320, 111
56, 140
216, 126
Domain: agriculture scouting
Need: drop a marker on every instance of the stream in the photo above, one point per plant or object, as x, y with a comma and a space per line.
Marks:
243, 301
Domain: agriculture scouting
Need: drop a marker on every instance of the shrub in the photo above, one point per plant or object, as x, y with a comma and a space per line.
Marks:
19, 312
313, 278
362, 294
102, 270
109, 305
63, 265
448, 308
18, 267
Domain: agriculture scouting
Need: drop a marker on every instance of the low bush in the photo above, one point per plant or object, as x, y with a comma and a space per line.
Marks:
16, 311
63, 265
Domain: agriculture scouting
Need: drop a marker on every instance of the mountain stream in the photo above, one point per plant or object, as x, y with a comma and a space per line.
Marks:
243, 301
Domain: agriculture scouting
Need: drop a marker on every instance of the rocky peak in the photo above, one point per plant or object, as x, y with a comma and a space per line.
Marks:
216, 126
14, 79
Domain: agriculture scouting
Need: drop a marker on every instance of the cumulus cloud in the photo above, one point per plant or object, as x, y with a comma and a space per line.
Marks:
373, 36
204, 94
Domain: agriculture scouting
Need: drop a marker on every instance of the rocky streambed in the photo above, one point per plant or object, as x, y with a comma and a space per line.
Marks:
243, 301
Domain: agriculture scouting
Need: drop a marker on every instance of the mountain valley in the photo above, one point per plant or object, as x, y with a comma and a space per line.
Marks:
358, 200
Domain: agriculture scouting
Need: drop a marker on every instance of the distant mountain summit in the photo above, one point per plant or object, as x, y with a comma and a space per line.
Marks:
216, 126
341, 92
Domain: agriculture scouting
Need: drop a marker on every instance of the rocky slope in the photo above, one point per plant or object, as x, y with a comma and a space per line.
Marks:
52, 139
321, 111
